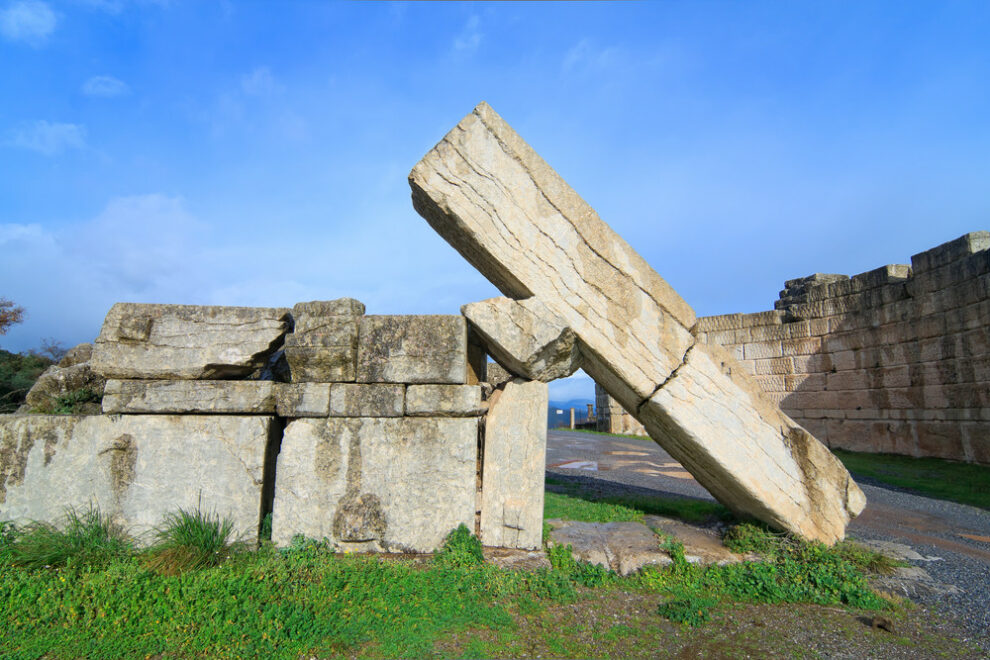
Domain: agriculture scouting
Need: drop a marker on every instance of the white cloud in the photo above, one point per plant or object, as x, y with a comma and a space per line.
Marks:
30, 21
585, 55
578, 385
48, 138
105, 86
470, 37
260, 82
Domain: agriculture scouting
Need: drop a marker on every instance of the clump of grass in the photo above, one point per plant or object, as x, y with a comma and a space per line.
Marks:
190, 540
576, 505
88, 538
461, 549
689, 608
747, 537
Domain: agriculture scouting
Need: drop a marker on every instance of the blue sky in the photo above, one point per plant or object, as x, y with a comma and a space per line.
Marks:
256, 153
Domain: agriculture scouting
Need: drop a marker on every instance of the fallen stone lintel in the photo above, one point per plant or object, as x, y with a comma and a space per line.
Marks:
485, 191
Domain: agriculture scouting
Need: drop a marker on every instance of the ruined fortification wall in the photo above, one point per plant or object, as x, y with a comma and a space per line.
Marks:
377, 433
893, 360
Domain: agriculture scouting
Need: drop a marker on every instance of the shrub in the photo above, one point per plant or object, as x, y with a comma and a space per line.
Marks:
88, 538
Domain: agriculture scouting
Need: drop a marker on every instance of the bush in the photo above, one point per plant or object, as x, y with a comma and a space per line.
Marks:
86, 539
17, 374
189, 540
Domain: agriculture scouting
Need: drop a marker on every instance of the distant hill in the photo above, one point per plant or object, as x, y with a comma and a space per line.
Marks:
563, 418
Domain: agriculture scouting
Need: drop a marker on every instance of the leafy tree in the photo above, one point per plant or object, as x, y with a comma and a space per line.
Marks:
10, 314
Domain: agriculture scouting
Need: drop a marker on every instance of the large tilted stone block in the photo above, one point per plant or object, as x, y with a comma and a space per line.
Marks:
526, 337
511, 216
302, 399
444, 401
413, 349
323, 344
189, 396
514, 463
376, 484
135, 468
367, 400
187, 341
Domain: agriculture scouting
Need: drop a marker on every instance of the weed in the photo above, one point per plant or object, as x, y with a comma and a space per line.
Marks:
70, 403
747, 537
688, 608
590, 508
561, 558
460, 549
85, 539
189, 540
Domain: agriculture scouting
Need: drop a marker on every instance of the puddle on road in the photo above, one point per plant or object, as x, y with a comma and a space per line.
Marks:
577, 465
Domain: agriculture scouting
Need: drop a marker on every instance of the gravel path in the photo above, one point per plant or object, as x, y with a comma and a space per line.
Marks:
953, 538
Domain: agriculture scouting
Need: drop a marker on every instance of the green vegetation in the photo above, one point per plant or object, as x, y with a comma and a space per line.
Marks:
190, 540
965, 483
71, 403
308, 600
577, 504
17, 374
87, 539
611, 435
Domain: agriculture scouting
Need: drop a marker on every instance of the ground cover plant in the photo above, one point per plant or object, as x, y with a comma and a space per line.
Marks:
308, 600
965, 483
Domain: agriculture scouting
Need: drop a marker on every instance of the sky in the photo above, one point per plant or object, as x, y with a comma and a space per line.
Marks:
256, 153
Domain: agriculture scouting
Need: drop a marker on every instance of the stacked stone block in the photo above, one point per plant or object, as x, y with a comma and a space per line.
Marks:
364, 430
895, 360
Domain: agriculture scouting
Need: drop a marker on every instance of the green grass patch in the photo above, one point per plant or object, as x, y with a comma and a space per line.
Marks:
643, 438
190, 540
585, 507
965, 483
85, 538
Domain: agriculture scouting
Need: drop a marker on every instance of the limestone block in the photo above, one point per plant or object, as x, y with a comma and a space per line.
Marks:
76, 355
623, 547
485, 191
187, 341
372, 400
413, 349
57, 382
323, 344
526, 337
514, 463
189, 396
946, 253
376, 484
444, 401
135, 468
302, 399
497, 374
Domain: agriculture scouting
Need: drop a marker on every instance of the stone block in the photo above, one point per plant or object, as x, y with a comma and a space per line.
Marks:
57, 382
413, 349
497, 374
147, 341
514, 463
393, 485
946, 253
323, 345
485, 191
135, 468
763, 350
367, 400
807, 346
526, 337
444, 401
189, 396
302, 399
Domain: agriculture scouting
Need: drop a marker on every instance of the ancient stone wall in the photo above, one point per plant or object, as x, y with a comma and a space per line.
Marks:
369, 431
894, 360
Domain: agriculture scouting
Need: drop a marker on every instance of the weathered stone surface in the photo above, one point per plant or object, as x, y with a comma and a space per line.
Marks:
323, 344
189, 396
367, 400
135, 468
187, 341
413, 349
514, 463
444, 401
624, 547
497, 374
376, 484
511, 216
526, 337
702, 545
76, 355
57, 382
302, 399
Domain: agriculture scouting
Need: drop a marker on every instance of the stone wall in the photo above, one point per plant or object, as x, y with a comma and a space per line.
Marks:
369, 431
894, 360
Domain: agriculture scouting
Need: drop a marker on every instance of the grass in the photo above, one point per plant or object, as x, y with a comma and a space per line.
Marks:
644, 438
305, 600
85, 538
578, 504
190, 540
965, 483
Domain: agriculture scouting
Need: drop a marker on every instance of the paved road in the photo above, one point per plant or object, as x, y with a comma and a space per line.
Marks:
954, 538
